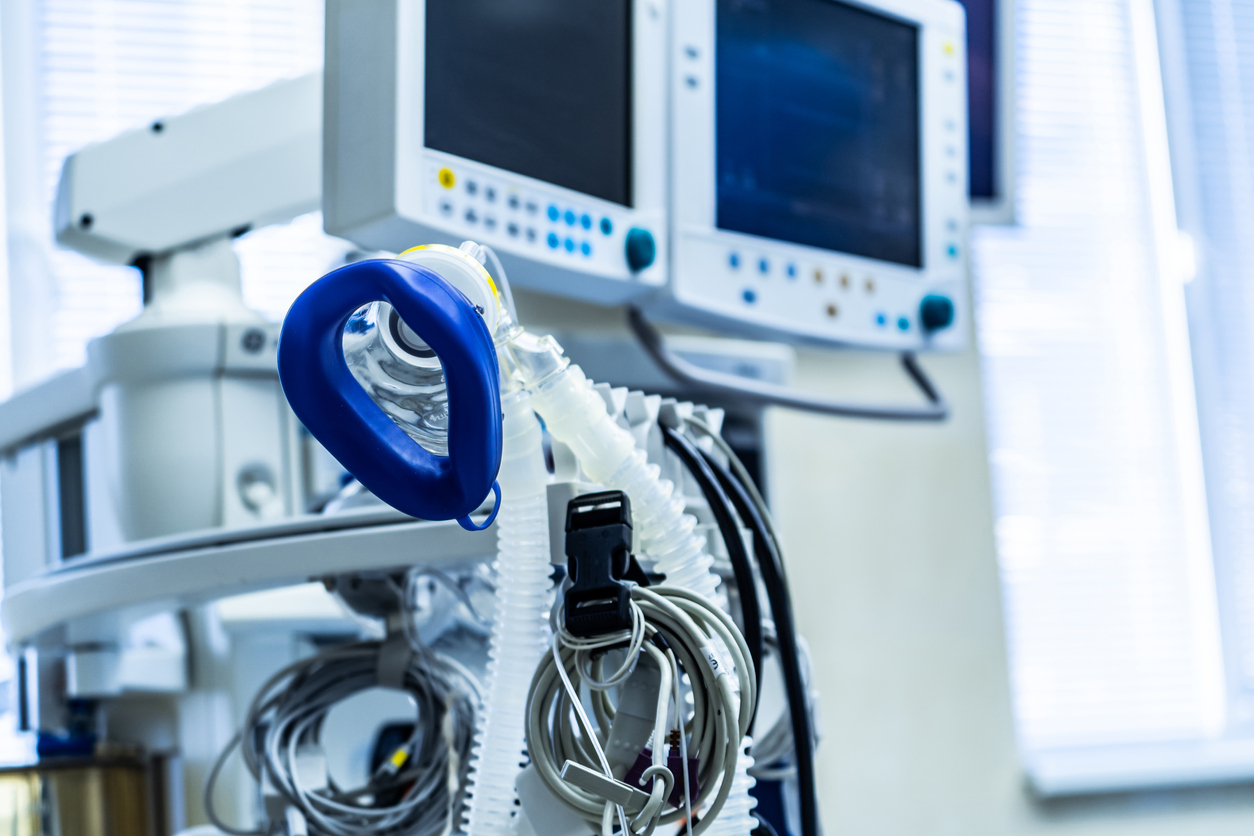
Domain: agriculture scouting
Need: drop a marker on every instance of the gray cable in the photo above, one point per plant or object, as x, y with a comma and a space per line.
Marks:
690, 628
427, 773
769, 394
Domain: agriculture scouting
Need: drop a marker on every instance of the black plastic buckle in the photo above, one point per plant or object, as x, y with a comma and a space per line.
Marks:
598, 551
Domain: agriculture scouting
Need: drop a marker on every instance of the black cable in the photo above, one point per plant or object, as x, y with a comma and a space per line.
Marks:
766, 550
721, 506
759, 392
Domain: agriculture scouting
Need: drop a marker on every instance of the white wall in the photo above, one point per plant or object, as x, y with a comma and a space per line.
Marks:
888, 531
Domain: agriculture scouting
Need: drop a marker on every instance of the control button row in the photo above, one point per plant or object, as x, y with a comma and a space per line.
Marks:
572, 218
472, 217
569, 244
791, 271
448, 180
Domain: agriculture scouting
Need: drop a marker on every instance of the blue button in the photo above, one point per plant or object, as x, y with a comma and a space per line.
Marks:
952, 250
734, 261
880, 319
764, 266
749, 295
585, 248
792, 271
586, 222
553, 213
570, 218
553, 242
570, 245
607, 226
903, 323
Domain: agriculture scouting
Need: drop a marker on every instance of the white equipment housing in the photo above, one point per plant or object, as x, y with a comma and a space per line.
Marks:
252, 160
438, 129
860, 258
177, 423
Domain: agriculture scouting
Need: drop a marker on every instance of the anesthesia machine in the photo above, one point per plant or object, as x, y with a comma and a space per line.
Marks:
400, 566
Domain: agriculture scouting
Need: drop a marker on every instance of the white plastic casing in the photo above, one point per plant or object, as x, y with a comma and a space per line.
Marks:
765, 287
243, 163
383, 187
461, 268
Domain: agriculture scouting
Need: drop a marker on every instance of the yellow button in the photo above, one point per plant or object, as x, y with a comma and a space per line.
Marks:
446, 178
949, 50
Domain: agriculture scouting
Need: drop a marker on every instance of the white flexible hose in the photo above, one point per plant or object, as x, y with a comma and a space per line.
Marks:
520, 630
736, 817
575, 415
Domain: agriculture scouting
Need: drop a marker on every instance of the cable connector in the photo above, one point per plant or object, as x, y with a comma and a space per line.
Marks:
635, 775
629, 798
674, 761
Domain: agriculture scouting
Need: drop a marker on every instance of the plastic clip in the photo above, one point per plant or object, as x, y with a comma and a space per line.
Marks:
598, 551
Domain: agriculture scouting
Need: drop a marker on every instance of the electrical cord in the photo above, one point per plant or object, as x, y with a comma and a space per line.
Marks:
776, 744
766, 550
742, 472
682, 633
774, 753
720, 506
422, 779
502, 279
285, 721
745, 390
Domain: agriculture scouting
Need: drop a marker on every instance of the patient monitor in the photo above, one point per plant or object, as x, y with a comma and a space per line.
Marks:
819, 175
536, 127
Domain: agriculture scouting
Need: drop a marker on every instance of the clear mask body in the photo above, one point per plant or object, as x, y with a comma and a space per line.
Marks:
400, 373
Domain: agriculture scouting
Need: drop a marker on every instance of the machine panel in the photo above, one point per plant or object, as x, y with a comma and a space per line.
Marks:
819, 165
537, 128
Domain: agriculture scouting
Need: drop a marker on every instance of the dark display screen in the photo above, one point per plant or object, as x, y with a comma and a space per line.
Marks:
818, 127
541, 88
982, 96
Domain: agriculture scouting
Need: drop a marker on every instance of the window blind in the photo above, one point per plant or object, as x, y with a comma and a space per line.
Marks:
1214, 109
1112, 625
105, 66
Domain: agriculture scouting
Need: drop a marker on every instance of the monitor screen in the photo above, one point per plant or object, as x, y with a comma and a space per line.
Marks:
982, 96
817, 129
541, 88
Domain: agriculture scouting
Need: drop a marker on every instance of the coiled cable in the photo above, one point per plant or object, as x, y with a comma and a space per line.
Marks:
683, 633
416, 790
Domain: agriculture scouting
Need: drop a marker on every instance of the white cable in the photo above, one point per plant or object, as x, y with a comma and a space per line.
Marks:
577, 702
701, 641
425, 774
499, 275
